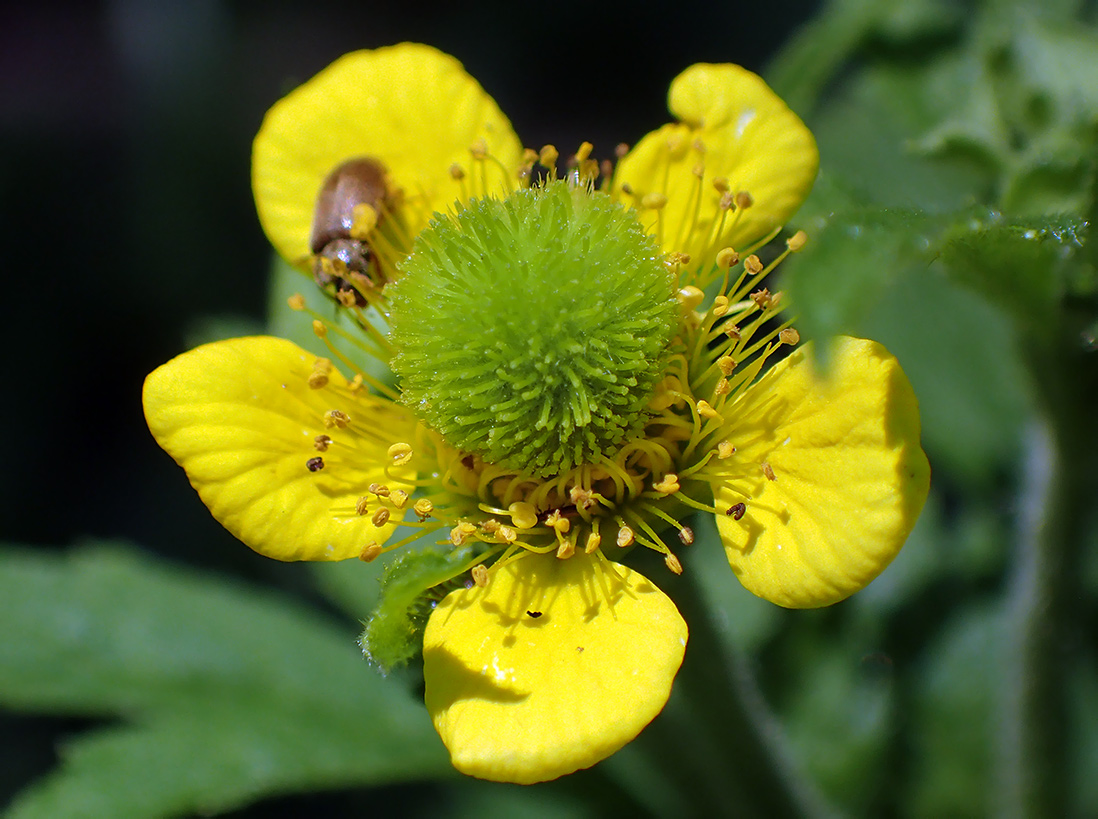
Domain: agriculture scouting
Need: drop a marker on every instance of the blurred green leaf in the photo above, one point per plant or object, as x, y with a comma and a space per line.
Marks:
953, 722
229, 694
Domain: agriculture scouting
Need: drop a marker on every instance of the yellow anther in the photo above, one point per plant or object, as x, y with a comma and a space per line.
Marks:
462, 532
620, 150
548, 156
673, 564
363, 221
480, 575
529, 156
653, 201
356, 383
558, 522
479, 149
317, 380
423, 508
490, 526
319, 328
296, 302
523, 515
566, 549
726, 257
457, 173
732, 331
728, 201
400, 453
725, 450
594, 540
727, 364
348, 298
724, 386
668, 484
380, 518
721, 184
322, 365
705, 410
336, 418
752, 264
789, 336
776, 299
768, 470
584, 151
690, 297
686, 536
625, 536
362, 505
698, 170
796, 241
370, 551
321, 443
507, 534
761, 298
398, 498
744, 200
720, 306
379, 489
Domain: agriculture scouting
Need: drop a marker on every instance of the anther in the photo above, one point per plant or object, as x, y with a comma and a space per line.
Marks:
457, 173
398, 498
557, 521
336, 418
686, 535
744, 200
668, 484
606, 168
523, 515
737, 510
594, 540
400, 453
727, 201
462, 532
370, 551
581, 498
690, 297
720, 306
753, 265
796, 241
721, 184
381, 517
705, 410
321, 443
423, 508
490, 526
362, 505
732, 331
698, 170
726, 257
480, 575
296, 302
768, 470
761, 298
319, 328
315, 464
363, 221
673, 564
507, 534
584, 151
479, 149
348, 298
653, 201
625, 536
789, 336
356, 383
379, 489
727, 364
566, 549
317, 380
725, 449
723, 387
548, 156
620, 150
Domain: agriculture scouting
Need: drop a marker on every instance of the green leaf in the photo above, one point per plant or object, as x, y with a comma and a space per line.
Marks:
229, 694
392, 635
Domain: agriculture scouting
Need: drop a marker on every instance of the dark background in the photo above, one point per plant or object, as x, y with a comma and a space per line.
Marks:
127, 217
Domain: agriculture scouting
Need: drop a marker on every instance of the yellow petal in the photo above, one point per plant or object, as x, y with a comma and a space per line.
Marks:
240, 417
553, 666
410, 106
734, 126
849, 476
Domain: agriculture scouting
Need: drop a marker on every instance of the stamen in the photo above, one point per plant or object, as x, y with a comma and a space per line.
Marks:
480, 575
370, 551
737, 510
423, 508
400, 453
768, 470
315, 464
321, 443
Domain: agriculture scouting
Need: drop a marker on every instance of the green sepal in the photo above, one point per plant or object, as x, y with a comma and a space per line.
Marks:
410, 588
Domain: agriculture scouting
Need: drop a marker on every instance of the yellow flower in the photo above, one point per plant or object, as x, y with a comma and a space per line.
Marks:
550, 425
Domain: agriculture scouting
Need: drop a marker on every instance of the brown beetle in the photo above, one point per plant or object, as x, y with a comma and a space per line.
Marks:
359, 181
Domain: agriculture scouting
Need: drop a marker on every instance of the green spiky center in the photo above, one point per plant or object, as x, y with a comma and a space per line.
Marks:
532, 330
